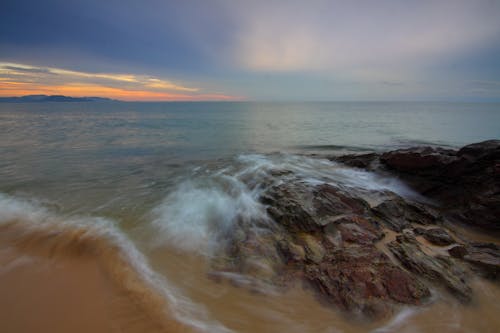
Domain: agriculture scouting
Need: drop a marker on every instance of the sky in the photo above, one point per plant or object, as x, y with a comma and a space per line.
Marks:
314, 50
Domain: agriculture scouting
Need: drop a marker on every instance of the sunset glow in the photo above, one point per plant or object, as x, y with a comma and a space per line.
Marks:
21, 79
253, 50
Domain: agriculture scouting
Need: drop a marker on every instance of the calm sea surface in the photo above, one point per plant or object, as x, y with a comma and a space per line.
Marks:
173, 176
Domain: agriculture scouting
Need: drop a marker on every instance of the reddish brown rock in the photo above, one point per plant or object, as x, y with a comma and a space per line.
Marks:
437, 269
418, 159
436, 236
328, 236
398, 214
362, 279
301, 207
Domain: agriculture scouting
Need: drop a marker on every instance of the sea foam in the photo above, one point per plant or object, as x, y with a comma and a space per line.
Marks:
203, 208
32, 227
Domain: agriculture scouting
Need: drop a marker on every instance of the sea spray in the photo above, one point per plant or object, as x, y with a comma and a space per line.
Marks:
202, 210
199, 213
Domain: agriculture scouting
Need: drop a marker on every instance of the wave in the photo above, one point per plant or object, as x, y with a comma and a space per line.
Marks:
33, 230
200, 212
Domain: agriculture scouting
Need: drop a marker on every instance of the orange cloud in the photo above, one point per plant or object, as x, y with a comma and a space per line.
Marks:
11, 88
20, 79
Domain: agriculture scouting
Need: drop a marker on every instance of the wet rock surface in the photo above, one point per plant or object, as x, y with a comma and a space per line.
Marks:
440, 269
485, 257
466, 183
368, 258
436, 236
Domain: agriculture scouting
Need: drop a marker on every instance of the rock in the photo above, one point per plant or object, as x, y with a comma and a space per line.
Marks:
355, 229
357, 161
304, 208
398, 214
481, 149
291, 251
291, 206
363, 279
465, 183
458, 251
436, 236
313, 248
485, 257
330, 201
420, 159
329, 236
437, 269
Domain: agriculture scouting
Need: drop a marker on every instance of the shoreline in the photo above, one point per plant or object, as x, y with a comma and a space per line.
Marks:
365, 254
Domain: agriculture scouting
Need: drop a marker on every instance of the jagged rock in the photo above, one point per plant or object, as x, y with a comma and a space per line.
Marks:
485, 257
436, 236
354, 229
420, 159
330, 201
465, 183
398, 214
315, 252
480, 149
438, 269
458, 251
357, 161
363, 279
291, 206
328, 236
305, 208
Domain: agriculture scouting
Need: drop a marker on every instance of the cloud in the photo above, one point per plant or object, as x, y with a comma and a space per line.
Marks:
264, 49
352, 38
19, 69
64, 75
22, 79
79, 90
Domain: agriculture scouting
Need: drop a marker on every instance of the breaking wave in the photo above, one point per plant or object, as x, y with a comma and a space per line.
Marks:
203, 208
34, 230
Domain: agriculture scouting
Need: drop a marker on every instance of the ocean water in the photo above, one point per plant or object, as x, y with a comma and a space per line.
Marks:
74, 152
165, 181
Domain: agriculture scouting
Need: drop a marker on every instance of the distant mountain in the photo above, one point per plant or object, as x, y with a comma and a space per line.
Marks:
51, 98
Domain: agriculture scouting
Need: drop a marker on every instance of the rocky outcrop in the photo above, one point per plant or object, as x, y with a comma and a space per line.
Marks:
421, 160
438, 269
369, 258
398, 214
465, 183
484, 257
436, 236
361, 279
300, 207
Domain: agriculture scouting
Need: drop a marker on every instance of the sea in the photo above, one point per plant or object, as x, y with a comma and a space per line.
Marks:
159, 183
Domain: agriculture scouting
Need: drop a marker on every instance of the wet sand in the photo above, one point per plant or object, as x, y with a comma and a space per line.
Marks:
62, 278
65, 279
245, 307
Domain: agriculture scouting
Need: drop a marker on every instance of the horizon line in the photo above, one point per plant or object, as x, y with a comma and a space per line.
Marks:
268, 100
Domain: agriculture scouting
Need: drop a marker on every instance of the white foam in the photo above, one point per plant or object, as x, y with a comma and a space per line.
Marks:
36, 216
12, 261
197, 214
319, 171
398, 323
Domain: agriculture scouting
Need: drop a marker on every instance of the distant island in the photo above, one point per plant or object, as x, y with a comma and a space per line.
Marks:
51, 98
